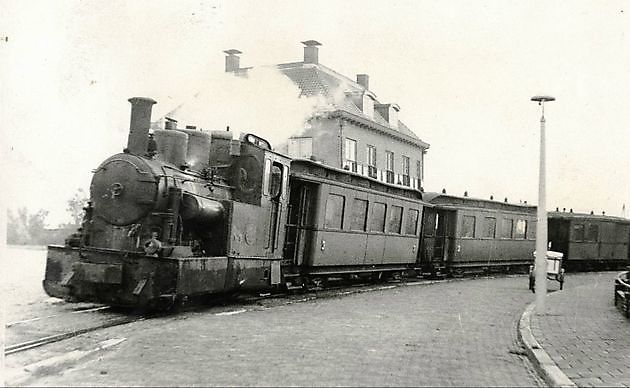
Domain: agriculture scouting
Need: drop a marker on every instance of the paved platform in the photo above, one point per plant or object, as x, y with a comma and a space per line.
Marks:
583, 333
458, 333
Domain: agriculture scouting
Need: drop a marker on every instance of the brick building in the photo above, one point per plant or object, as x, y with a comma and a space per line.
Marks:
353, 130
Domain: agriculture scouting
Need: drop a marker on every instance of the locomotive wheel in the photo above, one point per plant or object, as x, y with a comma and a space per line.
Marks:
376, 277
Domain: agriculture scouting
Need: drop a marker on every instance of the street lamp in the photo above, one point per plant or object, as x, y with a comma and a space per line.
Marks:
541, 225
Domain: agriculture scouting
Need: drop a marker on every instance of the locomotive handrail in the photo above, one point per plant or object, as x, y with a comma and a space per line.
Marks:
102, 166
622, 292
624, 283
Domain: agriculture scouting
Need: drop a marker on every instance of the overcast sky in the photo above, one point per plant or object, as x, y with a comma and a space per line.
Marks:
462, 72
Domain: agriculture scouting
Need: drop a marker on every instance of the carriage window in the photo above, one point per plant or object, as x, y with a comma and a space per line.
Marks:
411, 226
359, 214
593, 232
621, 233
394, 220
521, 229
377, 223
468, 226
578, 232
506, 230
531, 230
490, 227
334, 211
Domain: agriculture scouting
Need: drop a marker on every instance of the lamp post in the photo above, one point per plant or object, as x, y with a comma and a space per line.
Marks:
541, 225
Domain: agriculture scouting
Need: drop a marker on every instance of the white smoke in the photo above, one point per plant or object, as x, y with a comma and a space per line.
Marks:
264, 102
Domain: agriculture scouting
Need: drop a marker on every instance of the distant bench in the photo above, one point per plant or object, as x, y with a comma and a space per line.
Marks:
622, 293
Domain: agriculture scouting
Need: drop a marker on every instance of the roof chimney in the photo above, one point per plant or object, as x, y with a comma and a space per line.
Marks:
364, 80
311, 54
232, 60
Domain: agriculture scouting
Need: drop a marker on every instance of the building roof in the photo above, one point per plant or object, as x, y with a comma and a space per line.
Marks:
337, 89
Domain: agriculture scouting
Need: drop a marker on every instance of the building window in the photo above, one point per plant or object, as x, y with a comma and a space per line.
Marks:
334, 211
300, 147
468, 226
377, 222
411, 226
359, 214
351, 155
389, 157
371, 161
490, 227
395, 219
419, 172
521, 229
506, 230
405, 171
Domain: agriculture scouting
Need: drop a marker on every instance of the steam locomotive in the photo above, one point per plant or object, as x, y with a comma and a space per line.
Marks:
183, 213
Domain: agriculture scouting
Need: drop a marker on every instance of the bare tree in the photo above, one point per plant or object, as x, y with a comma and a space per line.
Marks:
75, 207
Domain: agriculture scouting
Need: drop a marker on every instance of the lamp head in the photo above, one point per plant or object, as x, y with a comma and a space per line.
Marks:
541, 99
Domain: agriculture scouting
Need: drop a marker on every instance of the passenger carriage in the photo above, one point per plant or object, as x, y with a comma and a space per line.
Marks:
341, 222
463, 235
589, 241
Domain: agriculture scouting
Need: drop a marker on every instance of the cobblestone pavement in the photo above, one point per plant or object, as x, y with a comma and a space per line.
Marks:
460, 333
584, 334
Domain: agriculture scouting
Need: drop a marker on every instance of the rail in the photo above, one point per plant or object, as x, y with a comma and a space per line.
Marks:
20, 347
622, 293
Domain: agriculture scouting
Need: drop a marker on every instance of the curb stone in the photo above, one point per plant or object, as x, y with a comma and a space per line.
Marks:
538, 356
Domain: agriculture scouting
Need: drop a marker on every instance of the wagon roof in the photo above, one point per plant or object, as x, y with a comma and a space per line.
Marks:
441, 199
586, 216
306, 168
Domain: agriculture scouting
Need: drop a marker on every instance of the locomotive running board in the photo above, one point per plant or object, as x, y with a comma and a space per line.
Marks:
335, 271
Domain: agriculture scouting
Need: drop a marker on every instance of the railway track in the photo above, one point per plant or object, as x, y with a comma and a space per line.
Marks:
31, 333
28, 332
26, 345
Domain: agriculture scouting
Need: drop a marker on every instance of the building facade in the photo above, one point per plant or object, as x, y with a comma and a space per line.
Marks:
353, 131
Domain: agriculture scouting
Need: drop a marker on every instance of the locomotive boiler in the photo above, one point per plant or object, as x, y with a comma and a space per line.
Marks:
179, 213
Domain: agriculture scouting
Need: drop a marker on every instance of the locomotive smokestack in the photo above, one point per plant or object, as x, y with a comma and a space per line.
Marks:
139, 126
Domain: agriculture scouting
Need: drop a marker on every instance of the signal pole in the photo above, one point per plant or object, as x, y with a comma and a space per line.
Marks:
541, 225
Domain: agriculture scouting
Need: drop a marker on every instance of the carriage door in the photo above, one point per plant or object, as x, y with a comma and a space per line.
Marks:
438, 233
558, 235
277, 199
298, 222
444, 235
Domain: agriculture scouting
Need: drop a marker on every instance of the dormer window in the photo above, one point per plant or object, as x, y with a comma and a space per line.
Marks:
368, 105
389, 112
